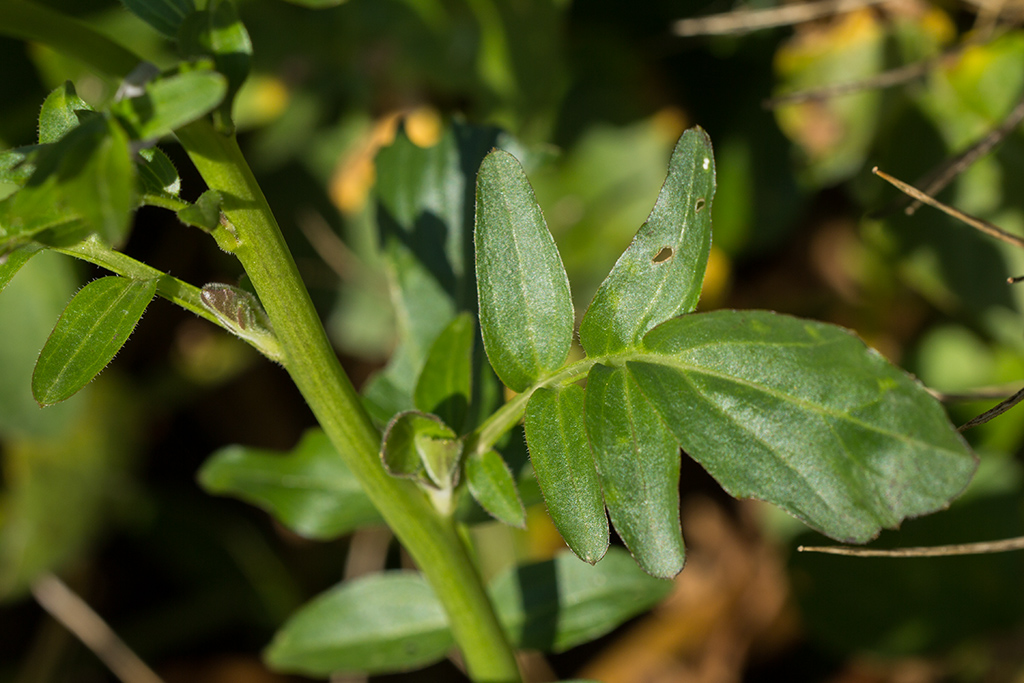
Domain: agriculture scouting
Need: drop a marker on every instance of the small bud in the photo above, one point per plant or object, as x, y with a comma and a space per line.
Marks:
240, 313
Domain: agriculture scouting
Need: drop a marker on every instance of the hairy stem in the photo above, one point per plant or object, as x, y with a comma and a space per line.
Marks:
431, 538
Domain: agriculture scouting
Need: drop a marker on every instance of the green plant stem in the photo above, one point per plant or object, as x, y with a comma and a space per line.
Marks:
431, 538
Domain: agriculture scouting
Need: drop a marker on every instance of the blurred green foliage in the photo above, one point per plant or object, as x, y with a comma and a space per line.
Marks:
102, 486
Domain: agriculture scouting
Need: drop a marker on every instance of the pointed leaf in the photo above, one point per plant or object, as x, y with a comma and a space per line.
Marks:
90, 331
638, 460
381, 623
526, 314
555, 605
163, 15
157, 175
11, 263
58, 115
445, 384
17, 165
421, 447
310, 489
562, 460
660, 275
170, 102
493, 486
805, 416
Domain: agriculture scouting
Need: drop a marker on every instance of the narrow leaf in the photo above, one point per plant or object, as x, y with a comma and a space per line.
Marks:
493, 486
169, 102
562, 460
11, 263
526, 314
555, 605
310, 489
446, 383
638, 460
59, 114
660, 274
805, 416
381, 623
90, 331
163, 15
421, 447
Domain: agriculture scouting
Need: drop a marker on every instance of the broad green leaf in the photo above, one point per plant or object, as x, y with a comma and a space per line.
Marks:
170, 102
11, 263
157, 175
163, 15
638, 461
205, 213
59, 114
90, 331
493, 486
445, 384
380, 623
555, 605
525, 307
241, 313
805, 416
421, 447
660, 274
557, 436
309, 489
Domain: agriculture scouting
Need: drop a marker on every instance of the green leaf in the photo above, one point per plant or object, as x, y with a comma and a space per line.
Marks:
205, 213
309, 489
241, 313
11, 263
59, 114
526, 314
318, 4
90, 331
163, 15
421, 447
638, 461
384, 622
217, 32
555, 605
562, 460
170, 102
157, 175
492, 485
87, 175
445, 384
17, 165
660, 274
805, 416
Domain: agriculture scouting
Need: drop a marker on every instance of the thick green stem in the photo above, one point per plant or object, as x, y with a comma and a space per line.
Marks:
428, 536
431, 538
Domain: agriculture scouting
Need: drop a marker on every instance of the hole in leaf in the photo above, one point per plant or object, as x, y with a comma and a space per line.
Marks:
664, 255
699, 205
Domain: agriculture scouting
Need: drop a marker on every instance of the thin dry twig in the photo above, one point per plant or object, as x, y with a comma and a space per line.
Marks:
992, 413
65, 606
976, 223
981, 548
941, 176
983, 394
747, 21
